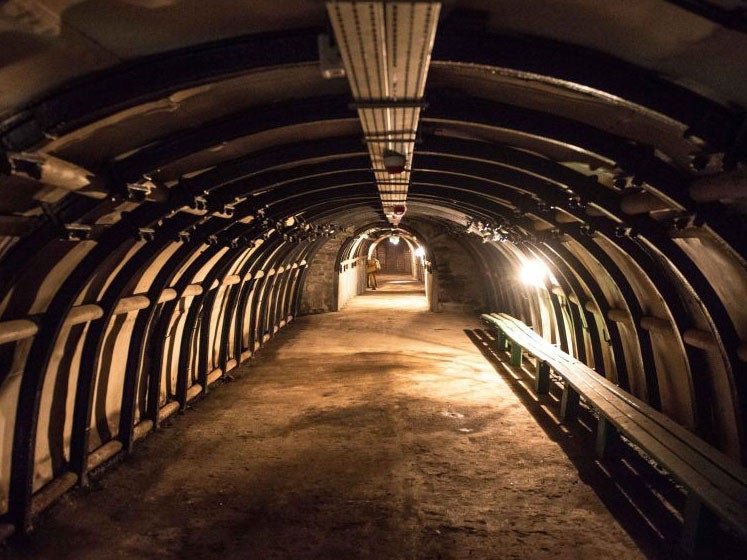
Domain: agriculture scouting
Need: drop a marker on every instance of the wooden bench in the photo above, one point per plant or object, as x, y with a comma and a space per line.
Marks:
716, 484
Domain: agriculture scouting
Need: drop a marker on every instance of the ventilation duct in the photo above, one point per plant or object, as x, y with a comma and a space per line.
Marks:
386, 50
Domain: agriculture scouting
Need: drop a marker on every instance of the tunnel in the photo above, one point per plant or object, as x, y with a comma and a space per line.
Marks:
185, 186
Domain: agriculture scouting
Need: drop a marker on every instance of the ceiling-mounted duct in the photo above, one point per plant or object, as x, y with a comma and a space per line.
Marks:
386, 50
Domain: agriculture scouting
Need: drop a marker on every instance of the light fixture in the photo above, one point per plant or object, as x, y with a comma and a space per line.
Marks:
420, 252
534, 272
394, 162
394, 239
496, 232
330, 62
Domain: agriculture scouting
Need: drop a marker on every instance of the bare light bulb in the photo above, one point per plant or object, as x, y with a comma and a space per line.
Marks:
534, 272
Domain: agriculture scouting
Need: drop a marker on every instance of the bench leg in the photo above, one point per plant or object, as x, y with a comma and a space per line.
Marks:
607, 437
698, 529
515, 355
501, 340
568, 403
543, 378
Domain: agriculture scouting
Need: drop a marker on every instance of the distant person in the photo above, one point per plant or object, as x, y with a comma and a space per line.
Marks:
372, 266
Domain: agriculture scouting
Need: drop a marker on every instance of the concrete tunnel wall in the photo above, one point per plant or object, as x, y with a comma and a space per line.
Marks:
166, 213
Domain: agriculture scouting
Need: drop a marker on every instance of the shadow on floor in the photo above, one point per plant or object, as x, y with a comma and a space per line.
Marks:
645, 501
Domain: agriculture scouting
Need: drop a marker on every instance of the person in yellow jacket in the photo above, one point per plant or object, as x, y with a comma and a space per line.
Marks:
372, 266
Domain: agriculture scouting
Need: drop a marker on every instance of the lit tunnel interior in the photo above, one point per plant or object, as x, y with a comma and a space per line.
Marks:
169, 204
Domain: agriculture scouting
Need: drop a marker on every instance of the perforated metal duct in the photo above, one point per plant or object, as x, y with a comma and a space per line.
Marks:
386, 49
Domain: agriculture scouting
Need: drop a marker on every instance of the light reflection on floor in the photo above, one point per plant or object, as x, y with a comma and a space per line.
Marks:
398, 282
394, 291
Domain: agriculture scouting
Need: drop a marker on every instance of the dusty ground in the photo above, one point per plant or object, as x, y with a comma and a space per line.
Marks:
376, 432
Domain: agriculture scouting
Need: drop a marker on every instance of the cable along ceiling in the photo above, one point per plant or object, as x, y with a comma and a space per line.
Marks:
386, 51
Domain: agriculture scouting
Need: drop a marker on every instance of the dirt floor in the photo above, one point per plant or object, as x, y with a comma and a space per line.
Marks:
381, 431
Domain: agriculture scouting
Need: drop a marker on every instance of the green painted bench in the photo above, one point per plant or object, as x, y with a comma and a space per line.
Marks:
716, 484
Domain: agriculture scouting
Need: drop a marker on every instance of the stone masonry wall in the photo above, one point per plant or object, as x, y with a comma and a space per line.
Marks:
318, 295
460, 282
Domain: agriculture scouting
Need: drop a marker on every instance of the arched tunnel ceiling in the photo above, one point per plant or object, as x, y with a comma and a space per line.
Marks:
537, 115
46, 35
154, 145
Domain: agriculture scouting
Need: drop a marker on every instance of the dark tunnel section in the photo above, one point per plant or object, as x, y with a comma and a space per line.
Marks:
187, 248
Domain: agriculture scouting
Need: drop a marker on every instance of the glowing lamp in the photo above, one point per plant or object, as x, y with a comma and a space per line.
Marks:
420, 252
394, 240
394, 162
534, 272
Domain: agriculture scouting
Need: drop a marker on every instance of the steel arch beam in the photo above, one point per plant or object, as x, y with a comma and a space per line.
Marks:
149, 78
668, 294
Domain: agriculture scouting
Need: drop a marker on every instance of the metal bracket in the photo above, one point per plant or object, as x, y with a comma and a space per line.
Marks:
199, 203
77, 232
146, 234
146, 190
185, 236
386, 140
388, 104
384, 170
